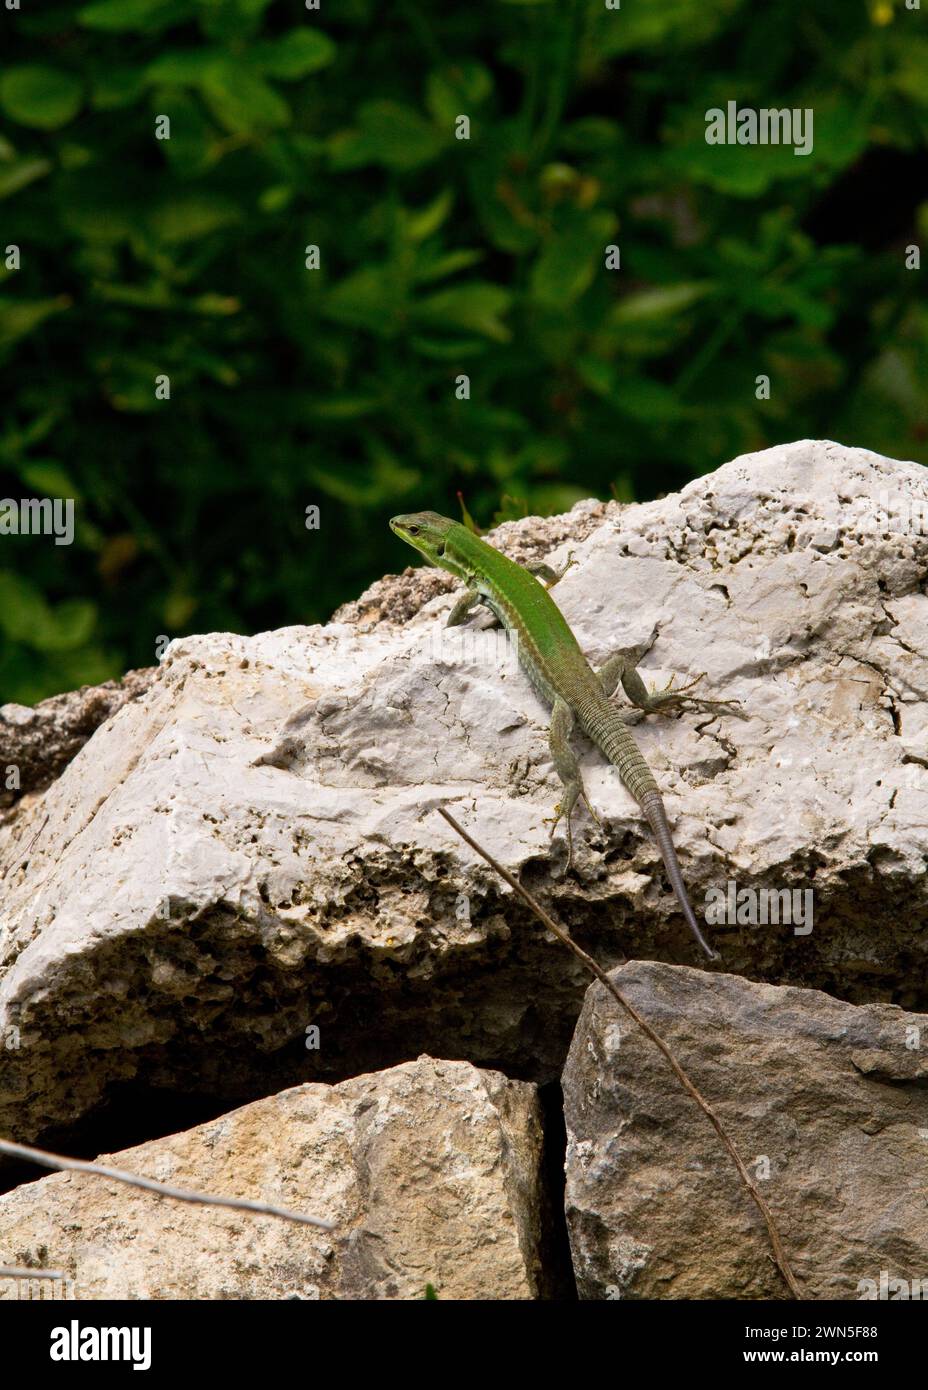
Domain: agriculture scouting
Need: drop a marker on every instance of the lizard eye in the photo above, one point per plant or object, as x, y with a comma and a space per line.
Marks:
412, 530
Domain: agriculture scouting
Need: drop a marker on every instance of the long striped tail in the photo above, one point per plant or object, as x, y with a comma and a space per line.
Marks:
653, 807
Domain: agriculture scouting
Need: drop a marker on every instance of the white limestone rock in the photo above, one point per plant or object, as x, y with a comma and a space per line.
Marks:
251, 847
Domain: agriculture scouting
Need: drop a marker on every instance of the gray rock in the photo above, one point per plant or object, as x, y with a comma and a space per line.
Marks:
826, 1101
40, 741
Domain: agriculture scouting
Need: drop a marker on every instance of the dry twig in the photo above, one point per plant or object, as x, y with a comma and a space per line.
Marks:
596, 970
180, 1194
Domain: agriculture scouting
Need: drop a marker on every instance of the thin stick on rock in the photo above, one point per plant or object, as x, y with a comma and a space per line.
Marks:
180, 1194
597, 971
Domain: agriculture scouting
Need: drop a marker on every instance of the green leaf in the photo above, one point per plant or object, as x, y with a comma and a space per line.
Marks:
179, 608
275, 198
644, 306
48, 478
422, 223
23, 610
215, 305
446, 349
342, 408
298, 53
20, 317
71, 625
371, 298
570, 257
642, 27
194, 146
184, 68
241, 100
20, 173
910, 75
40, 97
437, 267
118, 16
186, 216
26, 617
388, 133
115, 87
457, 90
476, 307
597, 374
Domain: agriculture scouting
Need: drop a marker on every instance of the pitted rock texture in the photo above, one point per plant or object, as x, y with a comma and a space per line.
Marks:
251, 846
430, 1173
827, 1103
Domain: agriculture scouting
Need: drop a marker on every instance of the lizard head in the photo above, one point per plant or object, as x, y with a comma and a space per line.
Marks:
428, 533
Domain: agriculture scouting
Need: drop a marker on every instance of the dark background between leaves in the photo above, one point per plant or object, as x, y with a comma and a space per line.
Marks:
289, 387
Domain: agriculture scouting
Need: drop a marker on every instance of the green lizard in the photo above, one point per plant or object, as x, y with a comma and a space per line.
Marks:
560, 673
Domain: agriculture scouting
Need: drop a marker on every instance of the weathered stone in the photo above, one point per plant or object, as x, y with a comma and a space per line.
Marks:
826, 1101
430, 1172
251, 845
41, 741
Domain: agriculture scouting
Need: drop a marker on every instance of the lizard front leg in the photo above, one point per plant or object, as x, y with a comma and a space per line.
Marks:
462, 609
549, 576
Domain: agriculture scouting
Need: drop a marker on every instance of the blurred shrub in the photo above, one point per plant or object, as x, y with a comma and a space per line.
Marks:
292, 128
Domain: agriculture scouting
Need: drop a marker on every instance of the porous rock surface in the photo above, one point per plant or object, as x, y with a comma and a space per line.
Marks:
250, 845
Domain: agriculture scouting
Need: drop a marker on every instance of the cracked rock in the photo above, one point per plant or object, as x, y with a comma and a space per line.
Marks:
250, 846
827, 1103
430, 1173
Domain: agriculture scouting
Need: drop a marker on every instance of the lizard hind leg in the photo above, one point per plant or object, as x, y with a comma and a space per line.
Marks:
568, 769
623, 666
623, 662
672, 697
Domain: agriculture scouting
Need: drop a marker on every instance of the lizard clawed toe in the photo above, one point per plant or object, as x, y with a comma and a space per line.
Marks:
671, 693
699, 702
560, 813
733, 707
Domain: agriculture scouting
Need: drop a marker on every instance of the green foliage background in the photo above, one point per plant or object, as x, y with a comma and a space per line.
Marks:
335, 127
